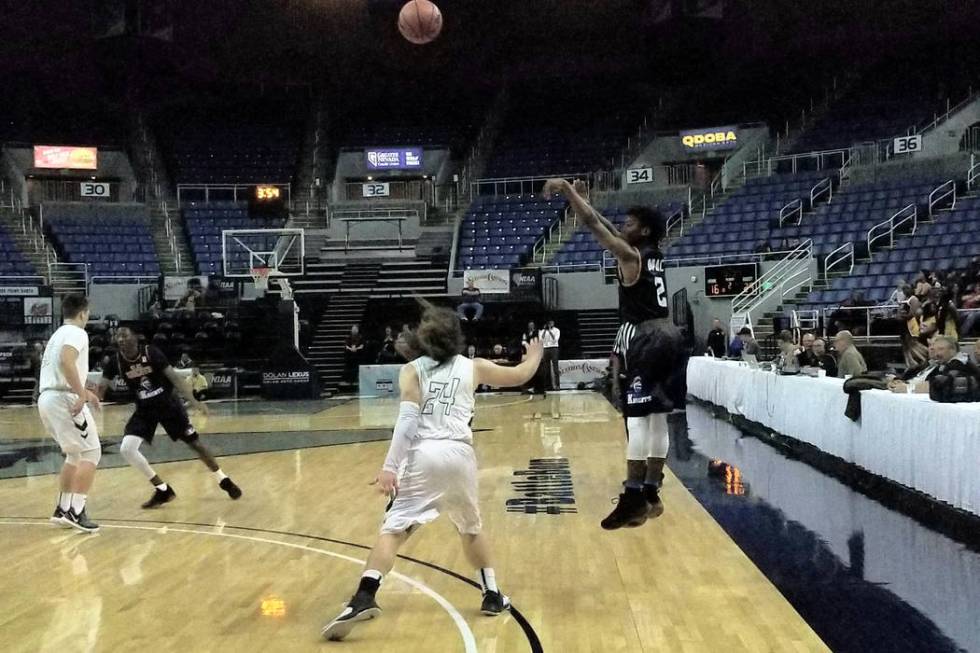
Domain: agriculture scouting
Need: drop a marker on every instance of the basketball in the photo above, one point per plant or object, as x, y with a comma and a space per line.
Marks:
420, 21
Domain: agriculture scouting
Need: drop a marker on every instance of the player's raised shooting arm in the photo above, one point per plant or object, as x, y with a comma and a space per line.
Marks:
498, 376
604, 231
407, 426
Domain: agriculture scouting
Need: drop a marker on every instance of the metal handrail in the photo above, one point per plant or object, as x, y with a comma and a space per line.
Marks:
530, 180
819, 155
821, 188
706, 259
138, 278
944, 190
842, 253
22, 278
793, 207
888, 227
673, 220
972, 175
542, 242
776, 277
949, 111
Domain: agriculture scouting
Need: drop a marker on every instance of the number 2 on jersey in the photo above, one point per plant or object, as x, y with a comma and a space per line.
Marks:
661, 292
444, 393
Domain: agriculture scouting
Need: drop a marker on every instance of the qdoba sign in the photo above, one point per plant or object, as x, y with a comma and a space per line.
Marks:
714, 138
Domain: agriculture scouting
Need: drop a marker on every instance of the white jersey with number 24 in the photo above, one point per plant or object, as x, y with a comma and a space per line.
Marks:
447, 399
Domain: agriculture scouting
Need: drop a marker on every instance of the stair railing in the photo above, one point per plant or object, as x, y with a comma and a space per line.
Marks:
844, 253
823, 188
788, 274
940, 195
792, 208
972, 175
907, 215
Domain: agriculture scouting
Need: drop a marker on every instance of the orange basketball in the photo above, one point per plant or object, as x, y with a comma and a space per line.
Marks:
420, 21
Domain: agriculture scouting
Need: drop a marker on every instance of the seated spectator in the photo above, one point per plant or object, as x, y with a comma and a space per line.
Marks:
850, 362
749, 346
901, 292
970, 304
387, 355
974, 357
191, 296
470, 301
471, 351
199, 384
824, 360
942, 357
716, 339
806, 357
922, 287
185, 362
786, 360
498, 354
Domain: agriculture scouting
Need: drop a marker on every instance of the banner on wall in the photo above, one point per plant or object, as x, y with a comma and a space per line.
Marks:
581, 371
401, 158
490, 282
526, 280
19, 291
379, 380
709, 139
38, 310
65, 157
289, 376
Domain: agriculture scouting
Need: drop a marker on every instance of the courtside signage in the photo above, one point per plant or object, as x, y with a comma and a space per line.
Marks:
489, 282
714, 138
402, 158
65, 157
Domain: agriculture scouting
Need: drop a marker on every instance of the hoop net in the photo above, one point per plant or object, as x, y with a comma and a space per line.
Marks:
260, 276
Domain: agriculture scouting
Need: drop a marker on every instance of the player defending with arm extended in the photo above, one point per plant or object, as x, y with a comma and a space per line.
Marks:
431, 466
146, 370
650, 347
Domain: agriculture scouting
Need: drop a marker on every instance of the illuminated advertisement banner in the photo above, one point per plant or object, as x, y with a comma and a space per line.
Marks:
402, 158
63, 157
713, 138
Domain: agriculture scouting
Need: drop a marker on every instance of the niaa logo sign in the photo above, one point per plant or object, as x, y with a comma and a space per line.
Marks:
715, 138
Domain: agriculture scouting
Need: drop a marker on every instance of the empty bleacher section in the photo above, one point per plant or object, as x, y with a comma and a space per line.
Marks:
243, 144
13, 263
205, 222
949, 243
113, 240
582, 249
502, 231
550, 131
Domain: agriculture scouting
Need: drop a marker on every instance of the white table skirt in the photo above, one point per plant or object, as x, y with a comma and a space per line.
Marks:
931, 447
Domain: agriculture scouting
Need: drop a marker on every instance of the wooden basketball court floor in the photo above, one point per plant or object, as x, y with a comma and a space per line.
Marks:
264, 573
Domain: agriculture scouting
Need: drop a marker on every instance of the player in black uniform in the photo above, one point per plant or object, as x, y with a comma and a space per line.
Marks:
146, 370
651, 348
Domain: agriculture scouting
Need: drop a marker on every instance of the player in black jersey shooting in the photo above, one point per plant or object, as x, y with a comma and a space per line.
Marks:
146, 370
651, 349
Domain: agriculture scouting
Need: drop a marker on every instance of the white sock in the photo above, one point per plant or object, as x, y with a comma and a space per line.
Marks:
64, 501
488, 581
162, 487
220, 475
78, 502
372, 573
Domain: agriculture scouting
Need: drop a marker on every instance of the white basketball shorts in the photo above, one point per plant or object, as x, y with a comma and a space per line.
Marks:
440, 476
74, 434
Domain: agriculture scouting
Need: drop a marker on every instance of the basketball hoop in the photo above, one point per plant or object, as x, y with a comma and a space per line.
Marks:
261, 278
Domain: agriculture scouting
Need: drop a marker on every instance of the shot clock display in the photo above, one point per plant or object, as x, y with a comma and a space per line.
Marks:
269, 201
267, 193
729, 280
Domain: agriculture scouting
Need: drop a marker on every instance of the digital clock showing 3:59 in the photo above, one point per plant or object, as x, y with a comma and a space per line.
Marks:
267, 192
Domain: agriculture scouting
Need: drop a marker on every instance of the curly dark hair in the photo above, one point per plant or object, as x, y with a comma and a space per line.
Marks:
652, 219
439, 333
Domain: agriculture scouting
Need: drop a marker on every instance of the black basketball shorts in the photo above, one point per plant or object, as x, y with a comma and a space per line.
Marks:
654, 358
169, 413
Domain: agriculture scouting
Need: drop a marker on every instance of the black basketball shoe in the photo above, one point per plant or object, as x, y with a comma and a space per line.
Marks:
80, 521
58, 518
631, 511
494, 603
161, 497
229, 486
655, 506
362, 607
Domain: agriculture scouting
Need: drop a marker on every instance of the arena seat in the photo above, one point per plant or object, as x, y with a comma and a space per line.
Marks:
80, 233
12, 260
502, 231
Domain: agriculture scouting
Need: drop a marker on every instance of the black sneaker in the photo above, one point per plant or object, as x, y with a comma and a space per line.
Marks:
655, 507
631, 511
80, 521
494, 603
229, 486
58, 518
161, 497
361, 607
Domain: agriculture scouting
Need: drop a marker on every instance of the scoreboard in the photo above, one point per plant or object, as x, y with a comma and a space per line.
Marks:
729, 280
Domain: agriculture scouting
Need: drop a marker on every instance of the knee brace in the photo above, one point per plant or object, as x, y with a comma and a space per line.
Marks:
130, 447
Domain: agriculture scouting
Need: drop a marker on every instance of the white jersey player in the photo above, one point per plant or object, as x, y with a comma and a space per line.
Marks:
431, 465
63, 404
